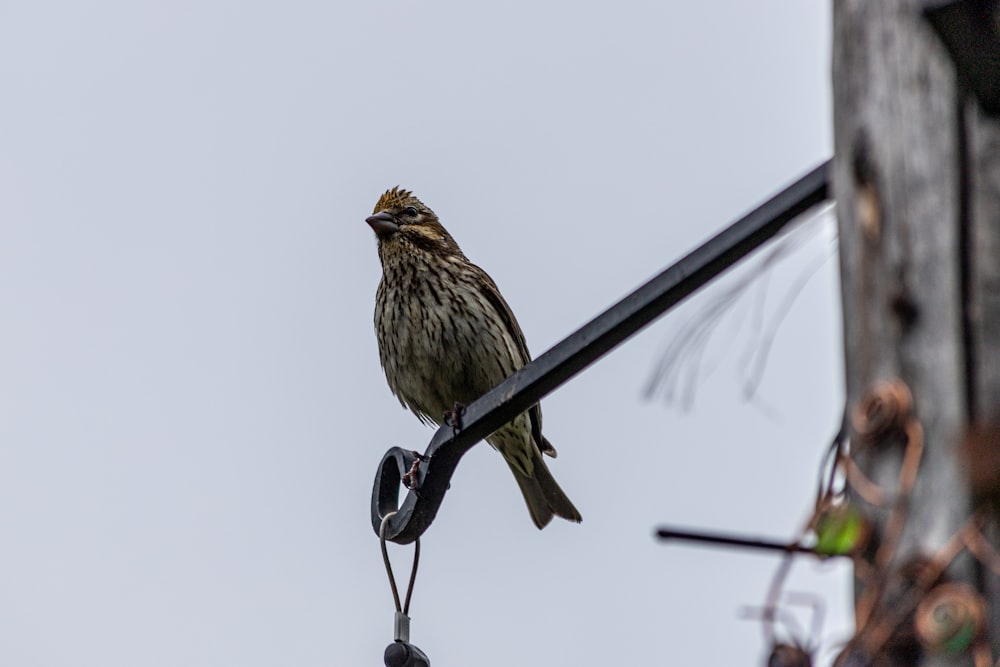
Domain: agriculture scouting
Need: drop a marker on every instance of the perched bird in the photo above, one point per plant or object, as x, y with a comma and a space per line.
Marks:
446, 335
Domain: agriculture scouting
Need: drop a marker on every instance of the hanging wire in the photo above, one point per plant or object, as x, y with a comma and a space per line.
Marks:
405, 608
830, 467
681, 367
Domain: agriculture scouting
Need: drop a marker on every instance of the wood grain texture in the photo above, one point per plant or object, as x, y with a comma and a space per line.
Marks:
983, 204
914, 306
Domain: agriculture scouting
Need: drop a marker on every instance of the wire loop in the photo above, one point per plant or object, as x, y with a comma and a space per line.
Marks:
405, 607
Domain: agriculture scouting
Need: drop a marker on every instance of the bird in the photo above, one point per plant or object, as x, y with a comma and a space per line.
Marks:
446, 336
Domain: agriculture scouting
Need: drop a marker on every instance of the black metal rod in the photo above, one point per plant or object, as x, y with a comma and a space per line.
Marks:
580, 349
732, 541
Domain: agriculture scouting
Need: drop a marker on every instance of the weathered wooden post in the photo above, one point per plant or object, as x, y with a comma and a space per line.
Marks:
917, 185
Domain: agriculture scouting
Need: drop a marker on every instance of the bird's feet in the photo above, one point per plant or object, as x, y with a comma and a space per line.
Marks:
410, 478
453, 417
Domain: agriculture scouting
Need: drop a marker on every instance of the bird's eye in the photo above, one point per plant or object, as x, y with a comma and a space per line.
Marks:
410, 212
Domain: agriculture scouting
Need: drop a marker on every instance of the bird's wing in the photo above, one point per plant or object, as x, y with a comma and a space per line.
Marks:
492, 293
495, 298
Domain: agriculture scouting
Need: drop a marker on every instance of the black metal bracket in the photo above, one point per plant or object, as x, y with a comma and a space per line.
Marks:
580, 349
970, 30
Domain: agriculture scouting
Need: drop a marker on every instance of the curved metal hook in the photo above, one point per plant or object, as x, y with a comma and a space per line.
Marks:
433, 470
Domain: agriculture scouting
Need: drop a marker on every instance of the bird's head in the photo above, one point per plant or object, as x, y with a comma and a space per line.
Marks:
404, 223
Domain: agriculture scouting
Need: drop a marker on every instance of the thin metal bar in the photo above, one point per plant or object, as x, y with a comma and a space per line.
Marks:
732, 541
580, 349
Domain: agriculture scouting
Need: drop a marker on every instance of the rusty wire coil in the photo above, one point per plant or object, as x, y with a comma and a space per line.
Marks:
951, 618
883, 412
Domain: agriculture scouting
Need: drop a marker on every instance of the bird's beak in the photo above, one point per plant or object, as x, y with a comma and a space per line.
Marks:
382, 224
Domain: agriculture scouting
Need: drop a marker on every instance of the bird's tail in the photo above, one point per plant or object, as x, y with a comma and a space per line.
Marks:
543, 495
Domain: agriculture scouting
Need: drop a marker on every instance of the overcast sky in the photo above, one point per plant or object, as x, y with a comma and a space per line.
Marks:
191, 403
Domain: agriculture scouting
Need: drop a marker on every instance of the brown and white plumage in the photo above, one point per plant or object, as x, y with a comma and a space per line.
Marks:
447, 335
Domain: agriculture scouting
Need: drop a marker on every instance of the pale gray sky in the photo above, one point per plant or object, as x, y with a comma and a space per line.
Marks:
191, 403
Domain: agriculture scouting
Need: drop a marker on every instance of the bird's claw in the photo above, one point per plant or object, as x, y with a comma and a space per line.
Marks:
410, 477
453, 417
